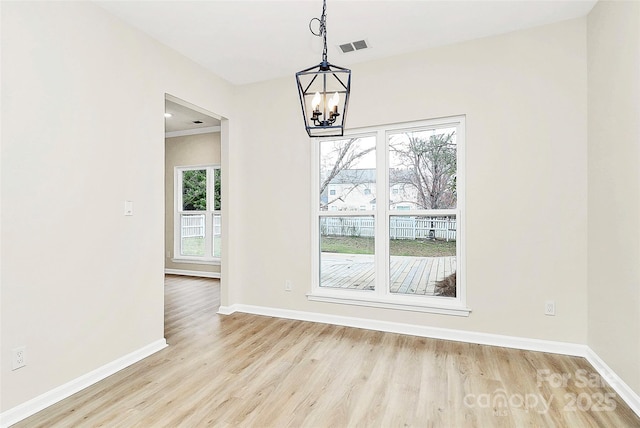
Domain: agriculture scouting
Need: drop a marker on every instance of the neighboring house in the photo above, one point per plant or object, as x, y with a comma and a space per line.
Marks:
355, 190
403, 195
352, 190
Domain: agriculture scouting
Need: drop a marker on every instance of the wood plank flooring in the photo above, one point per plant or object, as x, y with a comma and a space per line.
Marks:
254, 371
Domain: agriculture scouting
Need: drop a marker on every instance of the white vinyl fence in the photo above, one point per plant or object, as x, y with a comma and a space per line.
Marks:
217, 225
192, 225
399, 227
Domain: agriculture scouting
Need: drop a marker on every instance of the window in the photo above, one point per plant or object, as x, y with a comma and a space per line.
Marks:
198, 219
392, 234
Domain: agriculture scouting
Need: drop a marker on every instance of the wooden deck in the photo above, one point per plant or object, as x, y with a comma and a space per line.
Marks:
408, 275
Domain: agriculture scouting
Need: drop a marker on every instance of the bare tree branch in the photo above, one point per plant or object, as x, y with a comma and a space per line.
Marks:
430, 168
346, 155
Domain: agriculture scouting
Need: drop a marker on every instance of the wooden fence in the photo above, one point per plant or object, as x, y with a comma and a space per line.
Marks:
399, 227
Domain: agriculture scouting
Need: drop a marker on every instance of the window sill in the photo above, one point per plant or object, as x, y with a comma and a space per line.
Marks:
214, 262
391, 303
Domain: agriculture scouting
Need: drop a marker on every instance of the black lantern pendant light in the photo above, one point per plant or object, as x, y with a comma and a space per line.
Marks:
324, 91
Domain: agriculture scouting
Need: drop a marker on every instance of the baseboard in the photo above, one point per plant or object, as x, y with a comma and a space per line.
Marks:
624, 391
563, 348
192, 273
45, 400
227, 310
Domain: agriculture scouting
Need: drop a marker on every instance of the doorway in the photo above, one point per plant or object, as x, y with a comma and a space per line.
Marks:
193, 190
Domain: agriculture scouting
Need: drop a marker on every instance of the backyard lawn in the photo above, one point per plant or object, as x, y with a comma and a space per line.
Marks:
398, 247
194, 246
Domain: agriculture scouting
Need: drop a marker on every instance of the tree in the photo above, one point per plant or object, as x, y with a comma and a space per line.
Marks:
426, 166
217, 191
194, 190
340, 160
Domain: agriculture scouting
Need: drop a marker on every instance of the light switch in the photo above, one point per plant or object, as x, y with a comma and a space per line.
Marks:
128, 207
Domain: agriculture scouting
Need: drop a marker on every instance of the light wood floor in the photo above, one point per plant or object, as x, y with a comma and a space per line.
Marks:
254, 371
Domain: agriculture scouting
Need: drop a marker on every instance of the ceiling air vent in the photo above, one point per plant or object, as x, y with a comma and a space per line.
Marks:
347, 47
360, 44
354, 46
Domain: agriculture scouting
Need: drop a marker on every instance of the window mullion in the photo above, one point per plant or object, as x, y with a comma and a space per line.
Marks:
381, 256
315, 223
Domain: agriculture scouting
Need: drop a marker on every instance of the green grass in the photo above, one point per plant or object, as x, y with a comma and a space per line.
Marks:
398, 247
217, 246
194, 246
351, 245
346, 245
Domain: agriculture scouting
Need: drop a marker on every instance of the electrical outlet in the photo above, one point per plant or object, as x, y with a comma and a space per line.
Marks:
550, 307
18, 357
287, 285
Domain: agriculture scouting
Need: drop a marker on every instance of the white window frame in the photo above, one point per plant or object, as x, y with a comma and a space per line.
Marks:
381, 297
209, 213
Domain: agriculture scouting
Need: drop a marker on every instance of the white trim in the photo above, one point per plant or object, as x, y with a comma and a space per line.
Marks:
564, 348
196, 131
192, 273
55, 395
381, 296
430, 305
625, 392
209, 214
630, 397
212, 262
227, 310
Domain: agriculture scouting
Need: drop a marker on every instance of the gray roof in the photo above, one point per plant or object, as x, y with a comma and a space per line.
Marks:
355, 176
368, 175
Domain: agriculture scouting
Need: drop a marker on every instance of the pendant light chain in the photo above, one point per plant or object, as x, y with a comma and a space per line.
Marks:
322, 31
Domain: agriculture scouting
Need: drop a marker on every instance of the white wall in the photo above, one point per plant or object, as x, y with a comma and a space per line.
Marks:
525, 98
614, 186
83, 131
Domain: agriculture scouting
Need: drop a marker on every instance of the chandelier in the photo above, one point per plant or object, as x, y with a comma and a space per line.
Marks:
324, 90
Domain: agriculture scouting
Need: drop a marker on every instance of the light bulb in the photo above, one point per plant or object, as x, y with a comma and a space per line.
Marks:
315, 103
333, 104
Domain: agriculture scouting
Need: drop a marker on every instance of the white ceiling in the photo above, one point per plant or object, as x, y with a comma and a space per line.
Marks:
184, 118
249, 41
